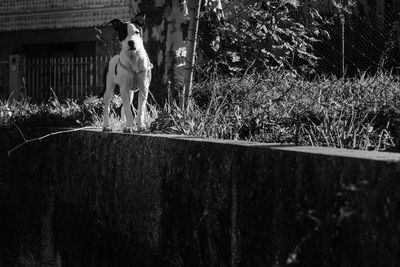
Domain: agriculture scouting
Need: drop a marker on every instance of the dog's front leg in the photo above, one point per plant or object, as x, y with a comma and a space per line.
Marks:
144, 79
126, 105
123, 117
107, 101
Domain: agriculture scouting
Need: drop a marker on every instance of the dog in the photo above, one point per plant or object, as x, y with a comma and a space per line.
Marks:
130, 70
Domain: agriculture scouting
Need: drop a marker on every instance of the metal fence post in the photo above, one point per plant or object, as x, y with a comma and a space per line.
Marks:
16, 77
342, 21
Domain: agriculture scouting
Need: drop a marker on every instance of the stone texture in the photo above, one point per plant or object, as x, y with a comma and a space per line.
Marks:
161, 200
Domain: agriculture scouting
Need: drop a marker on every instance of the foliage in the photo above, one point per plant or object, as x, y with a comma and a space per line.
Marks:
344, 7
262, 34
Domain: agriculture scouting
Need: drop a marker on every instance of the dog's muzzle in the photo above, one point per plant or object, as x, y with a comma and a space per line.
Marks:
131, 45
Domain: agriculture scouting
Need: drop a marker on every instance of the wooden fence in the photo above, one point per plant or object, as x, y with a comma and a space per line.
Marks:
67, 77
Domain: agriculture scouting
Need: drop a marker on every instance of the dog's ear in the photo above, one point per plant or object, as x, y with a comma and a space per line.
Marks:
116, 23
139, 19
120, 27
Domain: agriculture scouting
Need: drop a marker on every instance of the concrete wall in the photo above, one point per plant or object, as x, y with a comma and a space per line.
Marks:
109, 199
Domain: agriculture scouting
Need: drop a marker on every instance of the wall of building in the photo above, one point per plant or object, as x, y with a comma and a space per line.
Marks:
45, 14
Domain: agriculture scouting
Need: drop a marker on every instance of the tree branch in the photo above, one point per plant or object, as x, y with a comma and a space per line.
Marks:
26, 141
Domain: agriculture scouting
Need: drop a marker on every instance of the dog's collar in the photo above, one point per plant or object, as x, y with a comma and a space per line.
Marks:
125, 67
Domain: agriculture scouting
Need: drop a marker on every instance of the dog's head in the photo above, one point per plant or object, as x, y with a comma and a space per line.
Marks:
130, 33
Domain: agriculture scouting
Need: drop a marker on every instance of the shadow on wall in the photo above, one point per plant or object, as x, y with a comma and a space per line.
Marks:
194, 202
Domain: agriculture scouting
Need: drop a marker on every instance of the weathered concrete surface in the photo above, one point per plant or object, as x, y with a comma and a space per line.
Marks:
115, 199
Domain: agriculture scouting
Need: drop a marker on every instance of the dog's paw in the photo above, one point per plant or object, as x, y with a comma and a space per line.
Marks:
128, 129
107, 129
142, 129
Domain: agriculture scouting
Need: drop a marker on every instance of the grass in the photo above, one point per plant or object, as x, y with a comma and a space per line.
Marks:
66, 113
52, 113
357, 113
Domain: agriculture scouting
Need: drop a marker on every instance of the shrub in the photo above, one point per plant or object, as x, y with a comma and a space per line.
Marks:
256, 34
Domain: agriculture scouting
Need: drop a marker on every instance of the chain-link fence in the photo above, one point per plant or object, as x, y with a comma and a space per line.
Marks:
359, 35
361, 41
363, 35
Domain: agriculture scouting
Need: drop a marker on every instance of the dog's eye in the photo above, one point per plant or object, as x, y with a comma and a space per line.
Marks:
137, 32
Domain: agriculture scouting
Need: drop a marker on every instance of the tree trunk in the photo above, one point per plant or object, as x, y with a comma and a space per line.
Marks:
194, 15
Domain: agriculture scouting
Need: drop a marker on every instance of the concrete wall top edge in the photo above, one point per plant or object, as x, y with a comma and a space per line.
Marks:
326, 151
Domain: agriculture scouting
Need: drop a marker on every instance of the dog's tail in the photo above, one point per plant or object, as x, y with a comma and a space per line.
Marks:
101, 94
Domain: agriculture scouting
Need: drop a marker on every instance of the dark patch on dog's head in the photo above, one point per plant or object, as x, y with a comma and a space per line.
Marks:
120, 27
139, 19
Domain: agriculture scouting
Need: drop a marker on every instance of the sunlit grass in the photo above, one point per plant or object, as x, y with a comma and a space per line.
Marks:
66, 113
358, 113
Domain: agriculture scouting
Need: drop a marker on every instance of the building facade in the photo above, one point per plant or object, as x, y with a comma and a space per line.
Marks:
53, 29
38, 29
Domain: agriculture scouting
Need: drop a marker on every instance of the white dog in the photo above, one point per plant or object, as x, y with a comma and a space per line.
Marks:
131, 70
